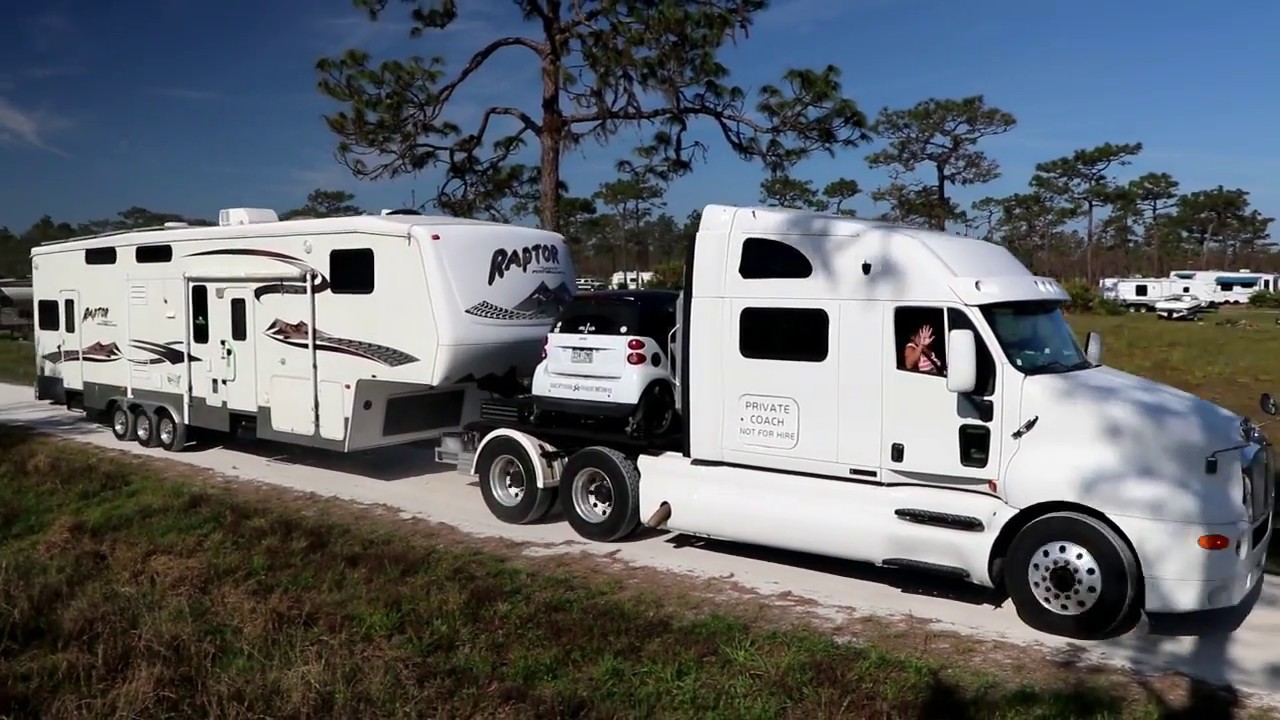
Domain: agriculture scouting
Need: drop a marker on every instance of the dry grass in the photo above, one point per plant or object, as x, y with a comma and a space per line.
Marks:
128, 589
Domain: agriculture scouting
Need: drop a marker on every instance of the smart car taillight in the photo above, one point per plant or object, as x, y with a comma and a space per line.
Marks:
635, 344
636, 358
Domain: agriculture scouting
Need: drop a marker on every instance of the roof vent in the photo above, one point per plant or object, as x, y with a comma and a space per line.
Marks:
246, 216
176, 224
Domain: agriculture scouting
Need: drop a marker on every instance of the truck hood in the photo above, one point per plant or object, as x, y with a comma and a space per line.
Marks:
1125, 445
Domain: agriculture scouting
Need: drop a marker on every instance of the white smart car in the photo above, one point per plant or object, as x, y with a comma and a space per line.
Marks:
606, 358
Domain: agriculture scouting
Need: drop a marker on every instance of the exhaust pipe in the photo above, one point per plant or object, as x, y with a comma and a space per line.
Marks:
659, 517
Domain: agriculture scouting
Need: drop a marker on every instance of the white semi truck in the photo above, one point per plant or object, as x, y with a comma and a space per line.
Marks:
912, 399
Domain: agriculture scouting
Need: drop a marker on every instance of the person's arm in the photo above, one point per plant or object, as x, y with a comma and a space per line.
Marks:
911, 355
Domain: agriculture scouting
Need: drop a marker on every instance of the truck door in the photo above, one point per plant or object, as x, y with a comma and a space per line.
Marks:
72, 348
930, 435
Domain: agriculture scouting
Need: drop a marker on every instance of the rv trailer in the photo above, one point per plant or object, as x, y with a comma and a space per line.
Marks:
1228, 287
341, 333
908, 398
1142, 294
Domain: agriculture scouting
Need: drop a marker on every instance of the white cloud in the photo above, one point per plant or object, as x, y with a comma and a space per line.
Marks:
27, 127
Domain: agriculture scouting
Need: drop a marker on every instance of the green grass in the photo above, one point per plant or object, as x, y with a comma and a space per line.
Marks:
127, 590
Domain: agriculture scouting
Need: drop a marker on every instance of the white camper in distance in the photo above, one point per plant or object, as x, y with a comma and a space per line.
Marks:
341, 333
913, 399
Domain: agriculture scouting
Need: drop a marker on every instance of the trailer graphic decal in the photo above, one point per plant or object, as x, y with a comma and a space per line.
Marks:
295, 335
321, 283
169, 352
544, 303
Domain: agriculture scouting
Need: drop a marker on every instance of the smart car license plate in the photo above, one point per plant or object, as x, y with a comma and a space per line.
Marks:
580, 356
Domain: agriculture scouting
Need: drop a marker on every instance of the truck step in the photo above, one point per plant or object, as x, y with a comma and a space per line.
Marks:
940, 519
923, 566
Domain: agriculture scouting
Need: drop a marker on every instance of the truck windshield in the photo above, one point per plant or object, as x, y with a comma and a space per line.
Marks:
1035, 337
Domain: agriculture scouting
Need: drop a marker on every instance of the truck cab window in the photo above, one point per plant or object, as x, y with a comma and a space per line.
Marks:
1035, 337
920, 340
764, 259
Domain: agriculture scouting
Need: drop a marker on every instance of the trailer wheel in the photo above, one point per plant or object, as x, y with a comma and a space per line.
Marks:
144, 428
600, 494
1071, 575
508, 483
123, 423
170, 434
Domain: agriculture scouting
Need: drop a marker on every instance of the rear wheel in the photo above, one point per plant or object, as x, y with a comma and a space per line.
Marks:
1071, 575
600, 494
170, 434
508, 483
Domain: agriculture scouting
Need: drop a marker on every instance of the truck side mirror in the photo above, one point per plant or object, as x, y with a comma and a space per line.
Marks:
1093, 348
962, 361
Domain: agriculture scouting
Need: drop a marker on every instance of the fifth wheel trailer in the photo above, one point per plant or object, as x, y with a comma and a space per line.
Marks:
340, 333
912, 399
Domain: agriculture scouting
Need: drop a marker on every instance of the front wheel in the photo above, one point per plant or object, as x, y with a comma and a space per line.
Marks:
1071, 575
600, 494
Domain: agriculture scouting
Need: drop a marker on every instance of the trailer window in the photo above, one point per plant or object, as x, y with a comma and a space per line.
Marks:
153, 254
100, 256
920, 340
784, 334
239, 328
1140, 290
351, 271
765, 259
47, 314
69, 314
200, 314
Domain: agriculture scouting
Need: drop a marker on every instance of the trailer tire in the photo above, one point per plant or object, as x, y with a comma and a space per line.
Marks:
500, 460
145, 428
123, 423
600, 494
171, 434
1071, 575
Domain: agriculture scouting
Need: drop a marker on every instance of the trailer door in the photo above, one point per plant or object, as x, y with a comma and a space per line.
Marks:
72, 349
232, 315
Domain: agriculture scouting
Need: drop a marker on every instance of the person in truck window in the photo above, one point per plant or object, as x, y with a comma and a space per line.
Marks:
918, 353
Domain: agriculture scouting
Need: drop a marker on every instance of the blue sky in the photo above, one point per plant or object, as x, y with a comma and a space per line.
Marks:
187, 106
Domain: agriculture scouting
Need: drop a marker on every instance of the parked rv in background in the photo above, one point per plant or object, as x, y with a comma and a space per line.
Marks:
1141, 294
342, 333
630, 279
1223, 286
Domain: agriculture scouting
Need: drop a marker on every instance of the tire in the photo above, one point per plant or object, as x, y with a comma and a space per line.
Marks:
600, 494
655, 412
170, 433
144, 428
1080, 552
513, 500
123, 423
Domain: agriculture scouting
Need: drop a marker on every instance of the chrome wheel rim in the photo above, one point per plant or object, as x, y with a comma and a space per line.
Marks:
1065, 578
